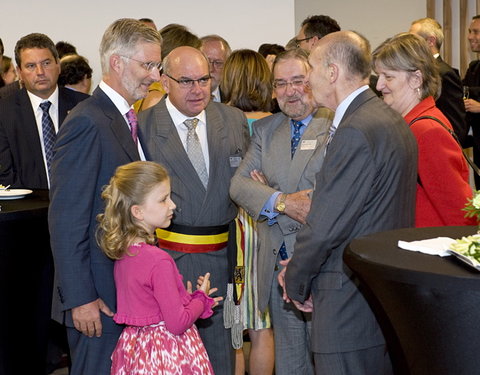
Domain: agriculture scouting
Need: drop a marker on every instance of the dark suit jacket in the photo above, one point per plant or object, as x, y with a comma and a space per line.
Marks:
472, 80
366, 185
21, 158
92, 143
450, 101
227, 134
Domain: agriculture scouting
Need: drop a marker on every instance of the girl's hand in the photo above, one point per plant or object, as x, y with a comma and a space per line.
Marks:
189, 287
203, 283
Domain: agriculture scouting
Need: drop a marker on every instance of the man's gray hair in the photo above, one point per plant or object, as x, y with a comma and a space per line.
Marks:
428, 28
292, 54
122, 37
217, 38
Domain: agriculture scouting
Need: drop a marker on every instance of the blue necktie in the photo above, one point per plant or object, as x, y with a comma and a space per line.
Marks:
49, 135
296, 135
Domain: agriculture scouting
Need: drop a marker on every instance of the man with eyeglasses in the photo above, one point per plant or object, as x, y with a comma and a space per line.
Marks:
201, 143
313, 29
273, 184
217, 51
98, 136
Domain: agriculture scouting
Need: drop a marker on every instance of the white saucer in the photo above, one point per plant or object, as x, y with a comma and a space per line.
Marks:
14, 193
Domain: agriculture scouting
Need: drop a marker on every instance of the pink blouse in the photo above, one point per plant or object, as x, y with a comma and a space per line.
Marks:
150, 290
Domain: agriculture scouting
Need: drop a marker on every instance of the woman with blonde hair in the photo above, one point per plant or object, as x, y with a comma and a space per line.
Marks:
409, 81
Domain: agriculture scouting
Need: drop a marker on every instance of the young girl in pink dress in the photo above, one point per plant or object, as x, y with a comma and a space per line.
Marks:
159, 313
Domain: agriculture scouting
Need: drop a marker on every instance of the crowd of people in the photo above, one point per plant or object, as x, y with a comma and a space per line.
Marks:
245, 172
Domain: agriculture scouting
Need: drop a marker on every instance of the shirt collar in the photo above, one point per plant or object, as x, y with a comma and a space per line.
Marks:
36, 100
117, 99
342, 107
178, 117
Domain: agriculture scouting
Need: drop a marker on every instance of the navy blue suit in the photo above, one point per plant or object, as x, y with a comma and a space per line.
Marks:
92, 143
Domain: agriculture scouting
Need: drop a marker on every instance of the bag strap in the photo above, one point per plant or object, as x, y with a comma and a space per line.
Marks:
452, 133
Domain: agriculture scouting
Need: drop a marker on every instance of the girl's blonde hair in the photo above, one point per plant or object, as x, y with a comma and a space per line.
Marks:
129, 186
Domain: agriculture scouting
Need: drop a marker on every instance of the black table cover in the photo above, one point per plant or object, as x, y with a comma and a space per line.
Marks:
428, 306
26, 281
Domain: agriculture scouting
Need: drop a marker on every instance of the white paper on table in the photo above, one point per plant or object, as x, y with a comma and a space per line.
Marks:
433, 246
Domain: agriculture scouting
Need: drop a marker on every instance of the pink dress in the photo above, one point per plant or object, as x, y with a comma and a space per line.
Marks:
160, 337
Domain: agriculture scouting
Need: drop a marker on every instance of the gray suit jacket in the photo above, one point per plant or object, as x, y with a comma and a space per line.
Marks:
367, 184
270, 153
227, 134
91, 144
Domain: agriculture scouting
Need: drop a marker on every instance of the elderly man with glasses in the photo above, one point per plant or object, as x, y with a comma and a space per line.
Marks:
313, 29
201, 143
273, 184
217, 51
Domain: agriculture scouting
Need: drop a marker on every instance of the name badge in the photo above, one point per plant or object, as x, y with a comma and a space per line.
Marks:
308, 144
235, 161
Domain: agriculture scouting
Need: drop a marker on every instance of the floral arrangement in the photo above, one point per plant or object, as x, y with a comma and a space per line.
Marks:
472, 207
470, 246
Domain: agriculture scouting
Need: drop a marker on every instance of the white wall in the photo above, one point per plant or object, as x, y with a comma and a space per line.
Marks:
377, 20
245, 24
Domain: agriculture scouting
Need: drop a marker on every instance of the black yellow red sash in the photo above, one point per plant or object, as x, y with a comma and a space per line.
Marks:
188, 239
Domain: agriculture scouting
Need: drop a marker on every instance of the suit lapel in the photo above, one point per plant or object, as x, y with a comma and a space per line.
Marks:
316, 131
63, 106
31, 138
117, 124
280, 146
217, 142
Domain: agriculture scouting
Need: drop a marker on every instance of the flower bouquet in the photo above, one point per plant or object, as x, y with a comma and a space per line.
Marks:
468, 248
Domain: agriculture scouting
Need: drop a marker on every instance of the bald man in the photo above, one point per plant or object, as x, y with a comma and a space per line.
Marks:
367, 184
200, 180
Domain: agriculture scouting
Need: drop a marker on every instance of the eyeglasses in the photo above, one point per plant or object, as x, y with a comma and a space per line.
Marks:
149, 66
296, 84
298, 41
218, 64
45, 64
188, 83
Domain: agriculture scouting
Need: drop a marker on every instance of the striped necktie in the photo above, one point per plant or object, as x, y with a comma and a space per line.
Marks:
194, 150
48, 131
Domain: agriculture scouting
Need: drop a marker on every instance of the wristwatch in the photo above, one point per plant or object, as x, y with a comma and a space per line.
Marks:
280, 207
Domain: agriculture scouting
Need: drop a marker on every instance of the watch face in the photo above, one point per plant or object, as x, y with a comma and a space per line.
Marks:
281, 207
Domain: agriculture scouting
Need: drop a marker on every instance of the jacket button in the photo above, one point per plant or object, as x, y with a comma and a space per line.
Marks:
274, 251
